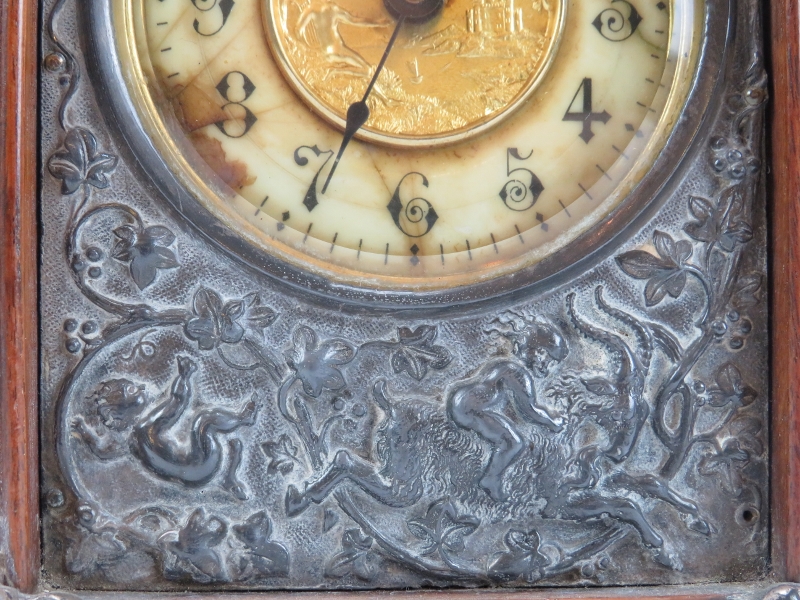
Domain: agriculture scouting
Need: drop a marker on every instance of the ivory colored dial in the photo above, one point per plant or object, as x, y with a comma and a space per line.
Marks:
554, 112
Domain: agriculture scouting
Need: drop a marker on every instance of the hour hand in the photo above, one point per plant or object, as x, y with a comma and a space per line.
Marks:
357, 115
416, 11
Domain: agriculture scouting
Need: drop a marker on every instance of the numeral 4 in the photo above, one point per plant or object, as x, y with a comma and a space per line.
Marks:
581, 111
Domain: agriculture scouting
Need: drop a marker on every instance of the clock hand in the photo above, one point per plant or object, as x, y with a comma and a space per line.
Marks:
358, 112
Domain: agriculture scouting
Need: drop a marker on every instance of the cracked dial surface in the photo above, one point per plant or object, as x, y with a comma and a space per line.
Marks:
499, 132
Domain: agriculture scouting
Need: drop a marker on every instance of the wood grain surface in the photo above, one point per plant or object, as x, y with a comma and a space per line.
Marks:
784, 190
19, 497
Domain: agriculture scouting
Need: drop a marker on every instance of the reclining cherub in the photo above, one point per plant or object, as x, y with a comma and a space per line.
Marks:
122, 427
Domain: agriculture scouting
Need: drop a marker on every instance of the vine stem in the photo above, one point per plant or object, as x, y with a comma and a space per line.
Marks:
376, 344
303, 429
709, 290
346, 503
265, 359
283, 399
72, 67
680, 444
129, 312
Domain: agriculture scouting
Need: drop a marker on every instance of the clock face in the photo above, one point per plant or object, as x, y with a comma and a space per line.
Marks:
486, 137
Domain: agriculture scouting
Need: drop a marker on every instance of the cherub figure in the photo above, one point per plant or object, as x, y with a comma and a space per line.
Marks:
121, 427
118, 402
478, 404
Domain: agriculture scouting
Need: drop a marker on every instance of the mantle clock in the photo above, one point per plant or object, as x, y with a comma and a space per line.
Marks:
424, 295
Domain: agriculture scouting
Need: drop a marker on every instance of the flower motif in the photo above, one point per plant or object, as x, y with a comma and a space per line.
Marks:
443, 529
665, 273
315, 364
717, 224
730, 388
417, 352
282, 455
523, 558
355, 557
78, 162
145, 249
726, 464
214, 323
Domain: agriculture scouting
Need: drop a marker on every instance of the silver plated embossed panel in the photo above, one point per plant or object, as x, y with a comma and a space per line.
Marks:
215, 418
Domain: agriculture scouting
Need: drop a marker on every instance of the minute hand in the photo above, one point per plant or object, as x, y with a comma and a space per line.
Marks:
358, 112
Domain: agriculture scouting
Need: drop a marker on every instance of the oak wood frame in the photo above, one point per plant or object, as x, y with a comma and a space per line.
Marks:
19, 496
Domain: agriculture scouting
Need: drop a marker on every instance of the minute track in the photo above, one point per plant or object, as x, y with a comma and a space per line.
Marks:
440, 196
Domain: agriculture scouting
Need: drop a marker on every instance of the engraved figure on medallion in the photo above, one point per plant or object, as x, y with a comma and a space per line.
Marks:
318, 27
473, 62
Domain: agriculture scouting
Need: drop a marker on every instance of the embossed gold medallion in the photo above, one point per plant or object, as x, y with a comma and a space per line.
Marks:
446, 80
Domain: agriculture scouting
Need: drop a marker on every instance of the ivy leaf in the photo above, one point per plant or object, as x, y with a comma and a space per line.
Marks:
730, 388
726, 465
747, 431
443, 528
258, 315
282, 455
665, 272
316, 363
671, 251
417, 353
719, 224
642, 265
354, 557
78, 163
670, 282
145, 249
747, 291
706, 228
738, 232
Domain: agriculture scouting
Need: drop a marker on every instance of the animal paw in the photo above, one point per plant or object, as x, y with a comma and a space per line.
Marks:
699, 525
295, 501
249, 413
668, 559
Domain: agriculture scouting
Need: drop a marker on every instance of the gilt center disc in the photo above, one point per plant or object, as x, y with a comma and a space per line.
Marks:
445, 80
